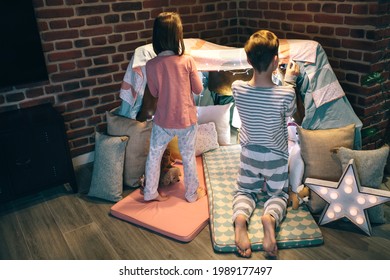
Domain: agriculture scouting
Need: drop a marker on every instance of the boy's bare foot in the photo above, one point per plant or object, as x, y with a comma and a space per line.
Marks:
241, 237
269, 241
201, 192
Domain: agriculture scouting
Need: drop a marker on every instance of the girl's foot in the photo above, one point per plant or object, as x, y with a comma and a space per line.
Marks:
160, 197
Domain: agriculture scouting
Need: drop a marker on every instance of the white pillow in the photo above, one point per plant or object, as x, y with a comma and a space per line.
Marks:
206, 138
220, 115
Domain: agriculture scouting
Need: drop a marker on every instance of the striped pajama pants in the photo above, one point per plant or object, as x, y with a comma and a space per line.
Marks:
261, 171
159, 139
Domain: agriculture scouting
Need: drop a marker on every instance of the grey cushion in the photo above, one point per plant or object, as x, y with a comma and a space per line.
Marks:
107, 174
370, 165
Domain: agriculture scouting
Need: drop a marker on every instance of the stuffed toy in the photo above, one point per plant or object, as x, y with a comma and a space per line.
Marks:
299, 197
168, 174
171, 176
296, 166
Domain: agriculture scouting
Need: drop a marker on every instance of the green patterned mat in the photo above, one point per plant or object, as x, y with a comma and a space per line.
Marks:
299, 229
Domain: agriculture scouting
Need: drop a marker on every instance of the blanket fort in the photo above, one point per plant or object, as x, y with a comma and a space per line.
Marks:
326, 105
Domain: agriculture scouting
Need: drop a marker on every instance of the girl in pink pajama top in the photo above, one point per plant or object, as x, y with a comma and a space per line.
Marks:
173, 79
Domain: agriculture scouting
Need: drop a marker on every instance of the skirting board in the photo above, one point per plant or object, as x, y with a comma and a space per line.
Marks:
83, 159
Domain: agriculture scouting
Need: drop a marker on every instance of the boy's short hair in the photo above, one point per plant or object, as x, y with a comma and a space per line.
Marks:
168, 33
261, 48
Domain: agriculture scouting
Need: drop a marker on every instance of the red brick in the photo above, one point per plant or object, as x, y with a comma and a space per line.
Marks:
300, 17
313, 7
127, 6
58, 24
274, 15
344, 8
16, 97
67, 66
59, 35
67, 76
73, 106
68, 96
77, 133
360, 21
330, 19
92, 10
329, 8
154, 3
99, 51
54, 13
71, 86
358, 45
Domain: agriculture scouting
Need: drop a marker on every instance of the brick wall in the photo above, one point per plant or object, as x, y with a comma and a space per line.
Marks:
354, 34
88, 44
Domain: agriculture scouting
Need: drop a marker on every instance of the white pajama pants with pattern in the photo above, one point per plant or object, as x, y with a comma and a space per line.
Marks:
159, 139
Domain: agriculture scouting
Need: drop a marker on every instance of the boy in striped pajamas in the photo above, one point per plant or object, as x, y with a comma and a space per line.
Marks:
263, 108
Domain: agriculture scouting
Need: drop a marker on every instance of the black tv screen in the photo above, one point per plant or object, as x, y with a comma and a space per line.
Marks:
21, 56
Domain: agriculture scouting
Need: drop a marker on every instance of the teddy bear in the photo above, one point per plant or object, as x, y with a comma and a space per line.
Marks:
169, 174
299, 197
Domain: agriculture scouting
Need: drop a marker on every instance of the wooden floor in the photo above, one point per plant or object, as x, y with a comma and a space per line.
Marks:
57, 224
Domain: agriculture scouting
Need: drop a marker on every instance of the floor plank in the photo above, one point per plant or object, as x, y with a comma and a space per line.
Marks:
41, 232
89, 243
67, 209
13, 245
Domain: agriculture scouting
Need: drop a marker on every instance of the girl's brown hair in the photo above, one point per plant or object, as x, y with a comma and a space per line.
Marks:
168, 33
261, 48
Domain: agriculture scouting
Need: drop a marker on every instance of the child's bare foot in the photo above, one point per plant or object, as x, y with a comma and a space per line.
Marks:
160, 197
201, 192
269, 241
241, 237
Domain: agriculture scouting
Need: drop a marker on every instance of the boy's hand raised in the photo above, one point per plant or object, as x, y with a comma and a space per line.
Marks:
292, 69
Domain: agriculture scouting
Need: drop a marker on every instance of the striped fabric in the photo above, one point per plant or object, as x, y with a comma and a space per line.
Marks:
261, 171
263, 115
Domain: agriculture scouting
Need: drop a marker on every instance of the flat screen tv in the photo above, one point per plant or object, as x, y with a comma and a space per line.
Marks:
21, 56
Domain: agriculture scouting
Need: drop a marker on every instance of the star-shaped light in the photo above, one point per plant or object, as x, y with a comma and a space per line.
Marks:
347, 198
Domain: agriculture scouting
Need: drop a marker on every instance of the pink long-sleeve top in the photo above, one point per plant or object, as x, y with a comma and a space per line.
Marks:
173, 79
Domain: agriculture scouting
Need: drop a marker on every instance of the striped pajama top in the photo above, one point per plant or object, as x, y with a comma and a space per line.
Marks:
263, 113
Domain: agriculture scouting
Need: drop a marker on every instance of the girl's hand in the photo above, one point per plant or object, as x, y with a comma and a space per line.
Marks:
292, 69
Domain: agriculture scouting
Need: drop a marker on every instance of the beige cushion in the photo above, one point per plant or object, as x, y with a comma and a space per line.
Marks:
370, 165
107, 180
137, 148
316, 150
